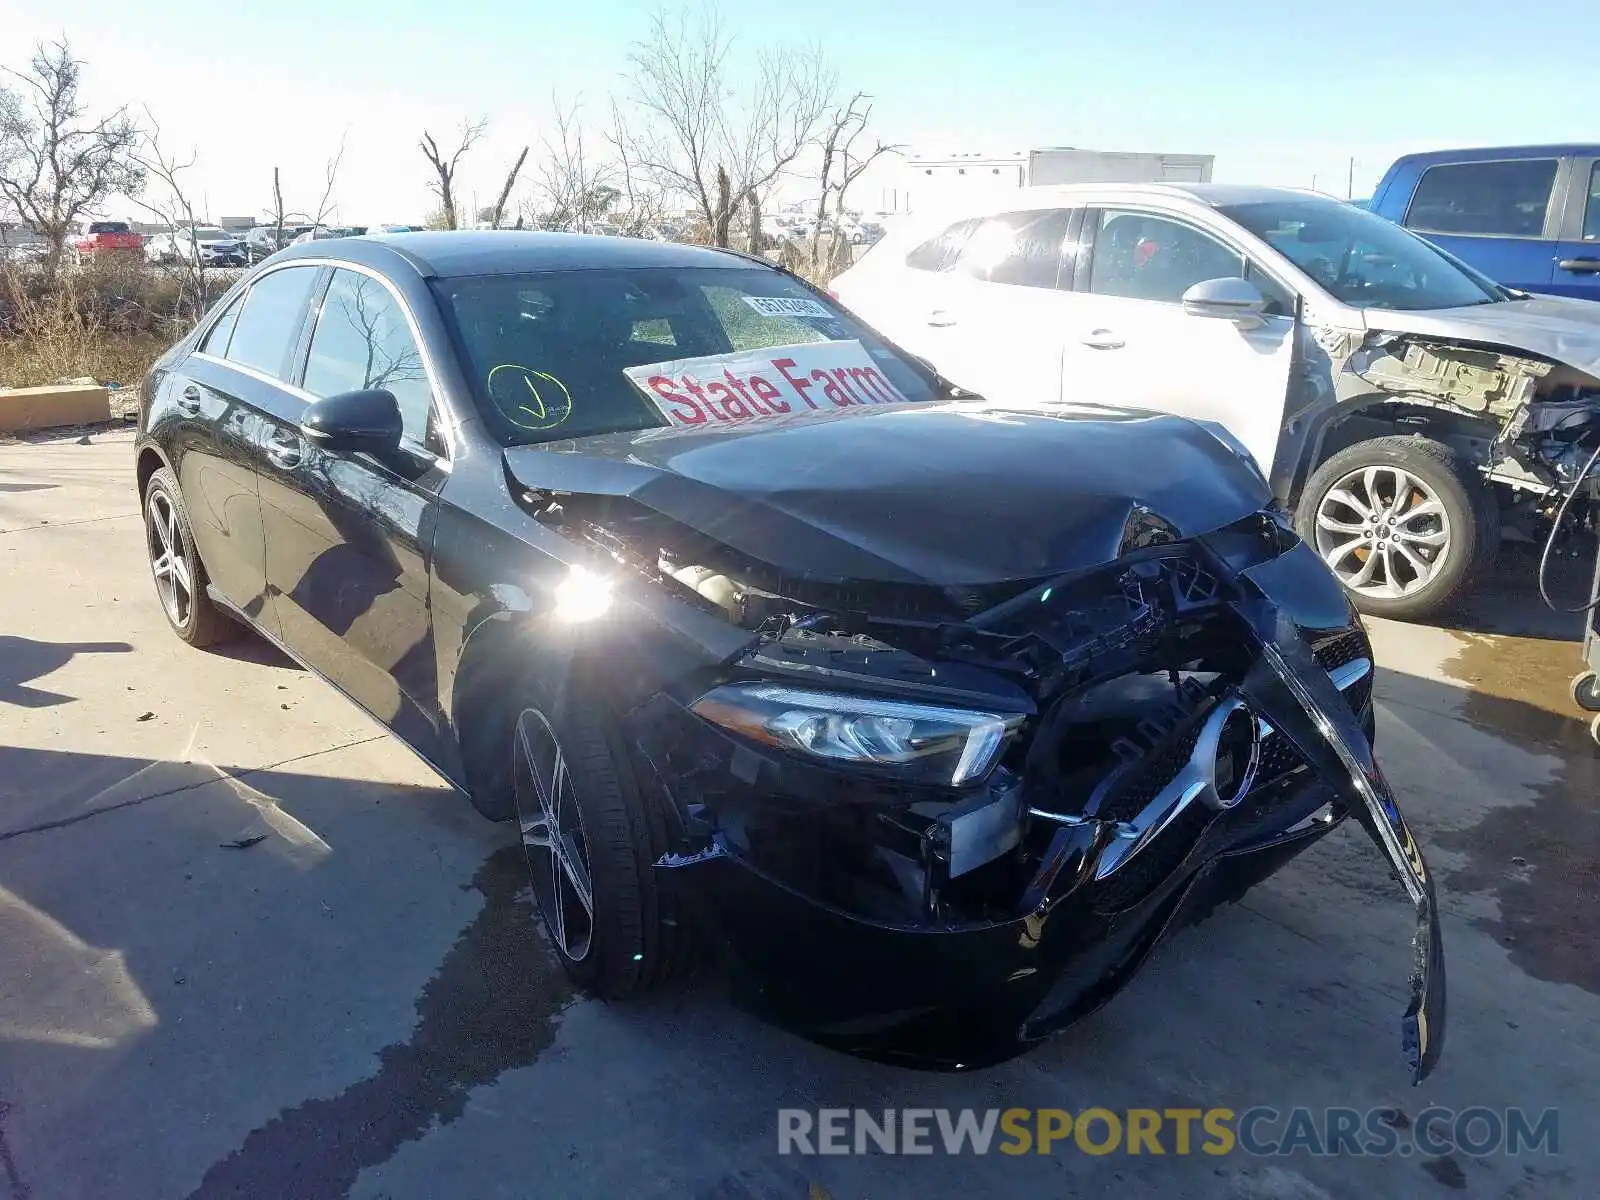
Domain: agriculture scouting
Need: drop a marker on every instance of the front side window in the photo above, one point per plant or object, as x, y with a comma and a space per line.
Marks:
1020, 248
269, 324
1504, 199
547, 351
362, 340
941, 252
1361, 259
1146, 257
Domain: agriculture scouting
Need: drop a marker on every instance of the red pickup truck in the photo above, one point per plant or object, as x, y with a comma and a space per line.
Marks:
108, 238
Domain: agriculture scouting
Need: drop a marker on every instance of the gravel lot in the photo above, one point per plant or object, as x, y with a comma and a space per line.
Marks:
360, 1003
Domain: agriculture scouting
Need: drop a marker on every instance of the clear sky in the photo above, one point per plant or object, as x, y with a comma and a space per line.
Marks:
1279, 92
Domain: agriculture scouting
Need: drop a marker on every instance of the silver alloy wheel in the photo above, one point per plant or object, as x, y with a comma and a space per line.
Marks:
552, 834
169, 558
1383, 531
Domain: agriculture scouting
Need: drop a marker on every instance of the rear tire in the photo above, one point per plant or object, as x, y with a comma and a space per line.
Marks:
1406, 523
180, 577
584, 818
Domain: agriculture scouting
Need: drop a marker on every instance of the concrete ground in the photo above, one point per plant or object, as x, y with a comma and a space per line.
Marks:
360, 1004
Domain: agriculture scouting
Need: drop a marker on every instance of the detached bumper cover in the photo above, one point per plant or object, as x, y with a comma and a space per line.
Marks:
1289, 690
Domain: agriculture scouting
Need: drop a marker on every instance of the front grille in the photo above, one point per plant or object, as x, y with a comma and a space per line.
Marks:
1278, 758
1129, 798
1334, 652
1146, 870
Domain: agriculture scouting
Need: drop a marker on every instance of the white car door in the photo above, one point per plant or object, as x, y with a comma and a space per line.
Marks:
1132, 343
1002, 318
902, 292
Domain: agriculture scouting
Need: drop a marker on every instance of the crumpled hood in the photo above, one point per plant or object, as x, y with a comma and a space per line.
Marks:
946, 494
1561, 328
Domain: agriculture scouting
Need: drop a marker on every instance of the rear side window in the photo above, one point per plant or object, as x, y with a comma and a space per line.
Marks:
1021, 248
217, 340
1499, 199
1591, 214
363, 341
269, 323
940, 253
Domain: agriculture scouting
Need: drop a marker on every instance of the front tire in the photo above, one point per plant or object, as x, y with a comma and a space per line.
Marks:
1405, 523
591, 836
175, 566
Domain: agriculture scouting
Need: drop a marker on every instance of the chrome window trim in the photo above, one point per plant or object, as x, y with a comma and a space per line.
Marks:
256, 373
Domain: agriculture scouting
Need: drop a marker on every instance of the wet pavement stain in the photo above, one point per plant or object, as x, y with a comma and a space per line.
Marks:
490, 1007
1447, 1171
1540, 861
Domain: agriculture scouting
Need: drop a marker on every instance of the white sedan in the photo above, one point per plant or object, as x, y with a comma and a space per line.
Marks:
1400, 402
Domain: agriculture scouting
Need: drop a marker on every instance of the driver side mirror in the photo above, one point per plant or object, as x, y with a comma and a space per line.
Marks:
1231, 299
350, 422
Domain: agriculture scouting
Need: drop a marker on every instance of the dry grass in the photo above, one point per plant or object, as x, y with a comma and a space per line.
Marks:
115, 358
109, 321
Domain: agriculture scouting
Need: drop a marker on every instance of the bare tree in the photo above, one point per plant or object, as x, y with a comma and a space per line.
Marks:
278, 215
644, 205
445, 165
56, 162
168, 201
841, 167
575, 186
498, 212
706, 138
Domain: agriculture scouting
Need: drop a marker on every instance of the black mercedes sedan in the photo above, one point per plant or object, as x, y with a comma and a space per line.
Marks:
934, 716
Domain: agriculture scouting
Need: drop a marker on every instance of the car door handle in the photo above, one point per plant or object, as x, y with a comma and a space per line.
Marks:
1103, 339
285, 449
1583, 265
189, 401
940, 319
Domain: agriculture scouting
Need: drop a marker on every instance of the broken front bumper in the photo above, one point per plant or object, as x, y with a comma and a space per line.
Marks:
959, 994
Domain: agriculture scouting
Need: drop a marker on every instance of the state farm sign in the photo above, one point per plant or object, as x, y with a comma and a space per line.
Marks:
758, 385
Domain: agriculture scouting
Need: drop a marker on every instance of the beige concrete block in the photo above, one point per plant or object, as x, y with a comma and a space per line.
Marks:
48, 407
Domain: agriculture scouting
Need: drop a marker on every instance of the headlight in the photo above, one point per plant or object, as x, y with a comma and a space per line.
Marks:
948, 746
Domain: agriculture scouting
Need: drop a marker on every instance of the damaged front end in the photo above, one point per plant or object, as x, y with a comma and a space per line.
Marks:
936, 824
1527, 420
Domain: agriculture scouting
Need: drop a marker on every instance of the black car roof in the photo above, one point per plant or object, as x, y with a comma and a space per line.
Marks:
448, 253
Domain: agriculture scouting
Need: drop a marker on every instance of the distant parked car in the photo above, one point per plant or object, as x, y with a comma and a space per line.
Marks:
28, 252
323, 232
268, 239
107, 239
211, 245
371, 229
1526, 216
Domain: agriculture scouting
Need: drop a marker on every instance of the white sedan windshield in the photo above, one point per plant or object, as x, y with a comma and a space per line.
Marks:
1362, 259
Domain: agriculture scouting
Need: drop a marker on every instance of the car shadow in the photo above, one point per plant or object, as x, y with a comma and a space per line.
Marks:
22, 659
1507, 601
250, 647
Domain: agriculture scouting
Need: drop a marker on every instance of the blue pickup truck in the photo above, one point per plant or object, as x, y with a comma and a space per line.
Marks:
1526, 216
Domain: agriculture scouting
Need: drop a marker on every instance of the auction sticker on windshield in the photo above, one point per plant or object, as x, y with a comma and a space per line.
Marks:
763, 385
787, 306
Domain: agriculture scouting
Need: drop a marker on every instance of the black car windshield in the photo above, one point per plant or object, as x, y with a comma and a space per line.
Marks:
1363, 259
558, 354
